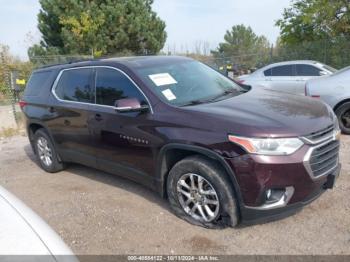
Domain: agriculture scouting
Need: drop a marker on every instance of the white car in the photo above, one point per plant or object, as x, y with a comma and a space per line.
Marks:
288, 76
334, 90
22, 232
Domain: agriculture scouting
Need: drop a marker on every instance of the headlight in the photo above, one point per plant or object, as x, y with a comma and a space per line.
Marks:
336, 123
268, 146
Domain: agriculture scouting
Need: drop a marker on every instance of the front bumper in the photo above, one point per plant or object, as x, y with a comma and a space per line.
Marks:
255, 174
251, 216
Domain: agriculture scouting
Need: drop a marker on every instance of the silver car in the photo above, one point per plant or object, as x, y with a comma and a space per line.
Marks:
334, 90
288, 76
22, 232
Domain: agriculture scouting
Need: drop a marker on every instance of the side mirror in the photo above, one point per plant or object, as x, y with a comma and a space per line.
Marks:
323, 73
129, 105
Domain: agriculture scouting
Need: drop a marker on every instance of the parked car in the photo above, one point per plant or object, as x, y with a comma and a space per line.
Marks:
25, 233
222, 154
288, 76
335, 91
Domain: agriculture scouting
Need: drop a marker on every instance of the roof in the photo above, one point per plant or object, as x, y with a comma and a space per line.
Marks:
295, 62
131, 62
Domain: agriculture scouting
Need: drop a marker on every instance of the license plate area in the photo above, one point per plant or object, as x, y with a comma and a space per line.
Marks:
331, 178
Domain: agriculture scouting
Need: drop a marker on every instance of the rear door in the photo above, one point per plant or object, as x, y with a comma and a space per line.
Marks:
281, 78
73, 96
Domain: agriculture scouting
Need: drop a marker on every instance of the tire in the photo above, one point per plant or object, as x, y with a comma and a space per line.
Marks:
45, 152
343, 114
212, 176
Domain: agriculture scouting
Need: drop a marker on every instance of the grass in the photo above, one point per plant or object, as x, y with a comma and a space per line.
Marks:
9, 132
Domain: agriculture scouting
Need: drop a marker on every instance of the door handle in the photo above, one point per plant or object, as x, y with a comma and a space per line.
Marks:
98, 117
52, 109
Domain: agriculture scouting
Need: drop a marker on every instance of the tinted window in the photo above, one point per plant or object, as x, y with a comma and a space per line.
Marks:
75, 85
37, 81
112, 85
286, 70
307, 70
268, 72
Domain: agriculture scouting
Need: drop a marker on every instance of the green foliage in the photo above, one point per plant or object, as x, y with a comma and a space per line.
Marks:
244, 47
10, 63
312, 20
316, 29
100, 27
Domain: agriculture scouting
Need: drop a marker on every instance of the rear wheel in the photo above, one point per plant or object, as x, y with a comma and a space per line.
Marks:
46, 153
343, 114
200, 193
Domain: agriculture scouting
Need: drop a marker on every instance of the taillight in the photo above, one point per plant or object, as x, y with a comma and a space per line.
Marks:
22, 104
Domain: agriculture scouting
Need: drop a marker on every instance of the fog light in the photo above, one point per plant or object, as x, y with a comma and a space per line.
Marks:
274, 195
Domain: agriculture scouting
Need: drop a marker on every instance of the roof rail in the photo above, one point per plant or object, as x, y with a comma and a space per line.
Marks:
71, 61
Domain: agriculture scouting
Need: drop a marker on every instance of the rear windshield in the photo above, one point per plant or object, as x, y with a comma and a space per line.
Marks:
37, 82
188, 83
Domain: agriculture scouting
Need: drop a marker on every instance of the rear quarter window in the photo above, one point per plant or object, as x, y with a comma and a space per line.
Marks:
38, 81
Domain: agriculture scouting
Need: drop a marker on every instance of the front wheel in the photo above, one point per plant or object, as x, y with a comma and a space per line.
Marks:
200, 193
343, 114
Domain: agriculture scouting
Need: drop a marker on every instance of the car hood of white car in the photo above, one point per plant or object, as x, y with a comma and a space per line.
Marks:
22, 232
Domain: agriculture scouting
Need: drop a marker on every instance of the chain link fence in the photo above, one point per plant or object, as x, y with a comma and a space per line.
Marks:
13, 79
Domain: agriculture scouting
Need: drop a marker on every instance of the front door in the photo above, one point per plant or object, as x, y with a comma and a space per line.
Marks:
123, 140
283, 79
304, 73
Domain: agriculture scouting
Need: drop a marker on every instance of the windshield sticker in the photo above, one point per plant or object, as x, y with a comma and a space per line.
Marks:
169, 94
162, 79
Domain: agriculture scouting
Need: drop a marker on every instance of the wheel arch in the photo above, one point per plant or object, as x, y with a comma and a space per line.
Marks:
170, 154
34, 126
342, 102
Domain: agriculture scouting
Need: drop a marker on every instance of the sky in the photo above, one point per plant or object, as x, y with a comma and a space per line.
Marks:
187, 21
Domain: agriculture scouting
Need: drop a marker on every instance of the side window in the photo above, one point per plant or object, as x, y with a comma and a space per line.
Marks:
285, 70
112, 85
37, 82
307, 70
268, 72
76, 85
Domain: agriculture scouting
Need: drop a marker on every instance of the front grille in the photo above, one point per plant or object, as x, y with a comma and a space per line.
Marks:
321, 135
324, 158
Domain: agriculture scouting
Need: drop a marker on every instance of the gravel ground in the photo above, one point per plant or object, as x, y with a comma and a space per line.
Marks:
98, 213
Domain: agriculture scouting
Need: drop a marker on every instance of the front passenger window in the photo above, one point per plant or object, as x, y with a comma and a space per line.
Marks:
112, 85
308, 70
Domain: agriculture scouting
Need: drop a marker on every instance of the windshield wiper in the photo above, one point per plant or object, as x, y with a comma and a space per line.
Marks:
195, 102
225, 93
213, 99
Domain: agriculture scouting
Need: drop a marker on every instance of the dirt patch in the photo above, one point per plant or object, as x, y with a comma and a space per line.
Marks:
98, 213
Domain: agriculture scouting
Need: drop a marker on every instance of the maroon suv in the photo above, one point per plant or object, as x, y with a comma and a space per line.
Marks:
222, 154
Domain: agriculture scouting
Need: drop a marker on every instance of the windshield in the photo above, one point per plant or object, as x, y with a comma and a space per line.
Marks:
329, 68
188, 83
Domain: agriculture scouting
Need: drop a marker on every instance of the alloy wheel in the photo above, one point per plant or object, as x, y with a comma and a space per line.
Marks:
198, 197
44, 151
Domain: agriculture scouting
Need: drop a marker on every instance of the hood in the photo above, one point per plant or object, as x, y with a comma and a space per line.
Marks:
264, 113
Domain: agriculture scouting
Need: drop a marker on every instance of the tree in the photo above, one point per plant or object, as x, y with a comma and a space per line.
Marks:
316, 29
243, 47
310, 20
99, 27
